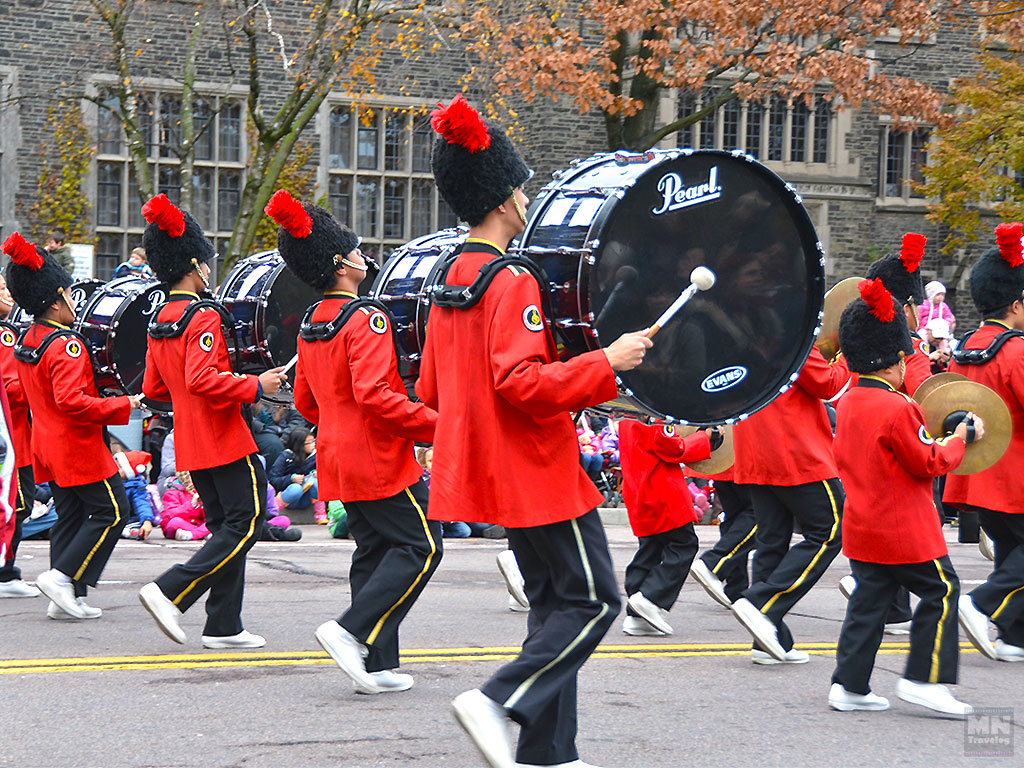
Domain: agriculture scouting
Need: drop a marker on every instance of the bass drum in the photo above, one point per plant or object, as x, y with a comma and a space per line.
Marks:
267, 302
618, 235
114, 321
80, 291
403, 286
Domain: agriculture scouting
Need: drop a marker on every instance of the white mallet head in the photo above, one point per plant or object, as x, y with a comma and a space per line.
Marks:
703, 278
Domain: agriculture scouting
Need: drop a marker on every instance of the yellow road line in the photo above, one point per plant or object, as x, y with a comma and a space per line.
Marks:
412, 656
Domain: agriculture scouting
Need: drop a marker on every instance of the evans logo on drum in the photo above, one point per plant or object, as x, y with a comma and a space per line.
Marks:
676, 195
724, 378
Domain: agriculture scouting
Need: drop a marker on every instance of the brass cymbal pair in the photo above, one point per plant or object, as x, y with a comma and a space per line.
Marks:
949, 394
722, 457
838, 297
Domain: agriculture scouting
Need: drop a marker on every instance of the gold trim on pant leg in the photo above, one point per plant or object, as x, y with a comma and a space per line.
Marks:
814, 560
735, 550
117, 519
525, 686
426, 567
933, 675
248, 535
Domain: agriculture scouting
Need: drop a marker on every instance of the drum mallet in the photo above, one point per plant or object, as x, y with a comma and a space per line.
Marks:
291, 364
701, 279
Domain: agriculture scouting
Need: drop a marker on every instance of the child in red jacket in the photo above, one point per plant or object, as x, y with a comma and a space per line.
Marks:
891, 533
661, 514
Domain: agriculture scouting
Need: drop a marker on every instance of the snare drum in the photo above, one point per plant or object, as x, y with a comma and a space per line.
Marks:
267, 302
618, 235
114, 322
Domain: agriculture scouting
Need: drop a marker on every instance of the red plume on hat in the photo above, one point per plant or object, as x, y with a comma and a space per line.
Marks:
460, 124
878, 299
22, 251
289, 213
1008, 238
912, 250
161, 211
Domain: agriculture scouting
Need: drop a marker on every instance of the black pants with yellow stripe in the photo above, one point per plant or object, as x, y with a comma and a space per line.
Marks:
661, 564
783, 574
574, 599
23, 503
89, 522
397, 551
1001, 597
934, 636
728, 558
234, 500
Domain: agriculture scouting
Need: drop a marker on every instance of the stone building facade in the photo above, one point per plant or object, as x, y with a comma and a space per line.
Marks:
847, 164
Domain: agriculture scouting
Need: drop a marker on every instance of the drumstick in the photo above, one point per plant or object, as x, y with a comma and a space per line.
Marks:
290, 364
701, 279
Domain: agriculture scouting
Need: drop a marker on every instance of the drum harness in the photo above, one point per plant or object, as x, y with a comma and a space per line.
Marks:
175, 328
32, 355
978, 356
327, 330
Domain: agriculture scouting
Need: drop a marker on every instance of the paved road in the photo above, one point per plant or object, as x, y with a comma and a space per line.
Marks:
115, 693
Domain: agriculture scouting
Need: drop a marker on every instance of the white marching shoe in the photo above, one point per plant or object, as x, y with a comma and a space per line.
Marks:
637, 627
649, 612
18, 588
514, 583
515, 606
348, 653
975, 626
54, 612
243, 639
846, 585
164, 612
934, 696
793, 656
1007, 652
842, 700
387, 681
61, 592
760, 627
486, 722
711, 583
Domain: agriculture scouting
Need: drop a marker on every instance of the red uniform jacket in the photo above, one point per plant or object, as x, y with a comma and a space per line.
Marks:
1001, 486
919, 367
505, 450
789, 442
67, 412
193, 371
653, 486
349, 386
21, 425
887, 461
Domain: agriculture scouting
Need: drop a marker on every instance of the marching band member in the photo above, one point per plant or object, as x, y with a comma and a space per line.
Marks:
347, 383
901, 276
506, 450
784, 454
187, 363
662, 515
993, 355
55, 370
881, 432
11, 583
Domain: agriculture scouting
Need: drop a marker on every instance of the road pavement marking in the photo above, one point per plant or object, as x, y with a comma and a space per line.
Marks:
411, 656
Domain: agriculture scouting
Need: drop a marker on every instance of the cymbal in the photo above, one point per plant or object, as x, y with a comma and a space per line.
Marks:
721, 458
979, 399
837, 299
936, 381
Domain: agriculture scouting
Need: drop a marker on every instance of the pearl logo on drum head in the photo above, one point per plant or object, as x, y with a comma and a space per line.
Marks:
532, 319
723, 379
676, 195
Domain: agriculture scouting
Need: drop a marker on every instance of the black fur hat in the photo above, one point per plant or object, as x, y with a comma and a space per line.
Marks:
34, 277
997, 279
900, 271
873, 333
174, 241
311, 241
475, 166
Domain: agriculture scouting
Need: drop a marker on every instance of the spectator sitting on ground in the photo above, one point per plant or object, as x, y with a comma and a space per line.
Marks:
184, 518
294, 472
277, 527
61, 252
935, 306
167, 469
136, 266
133, 466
